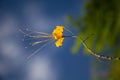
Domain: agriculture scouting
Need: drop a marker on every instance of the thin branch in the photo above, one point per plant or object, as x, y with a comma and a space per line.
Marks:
90, 50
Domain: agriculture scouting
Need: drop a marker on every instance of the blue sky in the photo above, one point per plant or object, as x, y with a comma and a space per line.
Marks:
50, 63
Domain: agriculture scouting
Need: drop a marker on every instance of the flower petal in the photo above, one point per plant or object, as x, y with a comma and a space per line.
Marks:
58, 43
57, 32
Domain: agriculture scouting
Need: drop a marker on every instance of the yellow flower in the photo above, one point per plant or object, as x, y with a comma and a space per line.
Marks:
58, 35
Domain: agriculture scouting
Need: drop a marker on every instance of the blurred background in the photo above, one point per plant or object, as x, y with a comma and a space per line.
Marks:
97, 20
